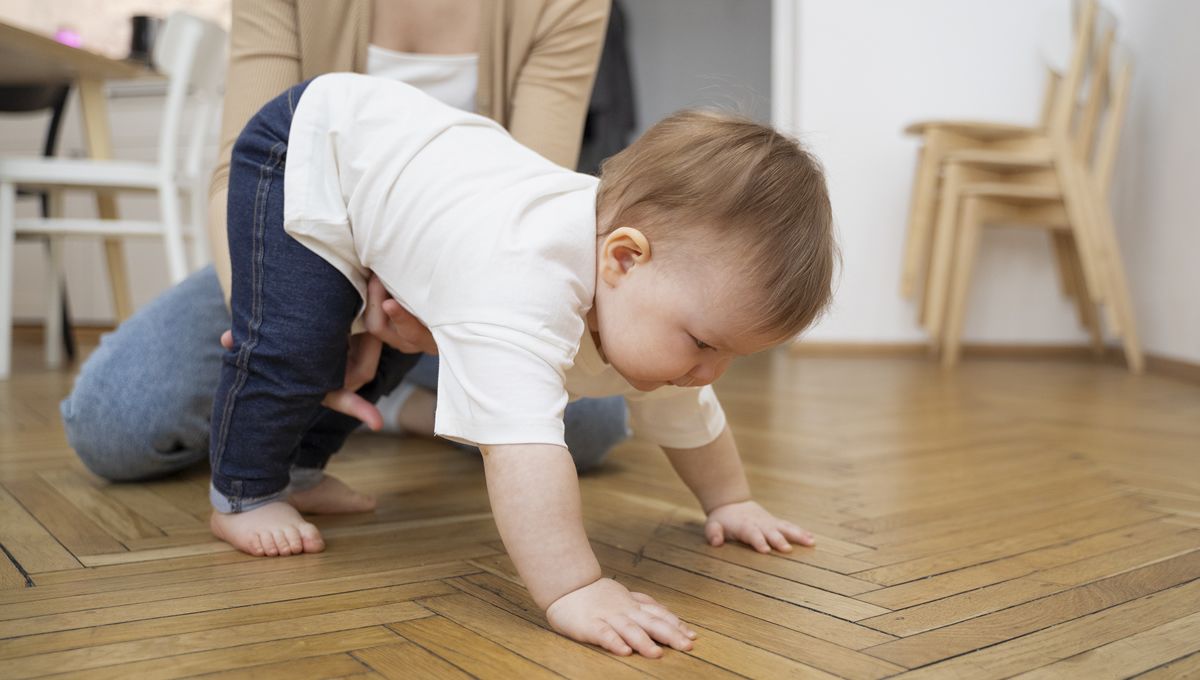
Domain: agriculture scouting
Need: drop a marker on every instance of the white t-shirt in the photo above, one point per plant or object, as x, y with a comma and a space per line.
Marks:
489, 244
449, 78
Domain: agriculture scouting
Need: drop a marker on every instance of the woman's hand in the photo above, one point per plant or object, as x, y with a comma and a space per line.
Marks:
751, 524
391, 323
362, 363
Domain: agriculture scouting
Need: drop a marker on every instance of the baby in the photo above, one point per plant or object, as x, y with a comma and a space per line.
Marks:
707, 239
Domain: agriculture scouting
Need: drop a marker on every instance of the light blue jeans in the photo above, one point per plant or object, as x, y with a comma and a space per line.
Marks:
142, 403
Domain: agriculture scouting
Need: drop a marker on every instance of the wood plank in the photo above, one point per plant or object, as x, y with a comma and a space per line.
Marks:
474, 654
258, 658
117, 520
1186, 667
981, 575
925, 648
1135, 654
30, 544
256, 592
11, 575
101, 655
405, 661
69, 526
1039, 584
978, 553
833, 604
800, 565
766, 635
550, 649
313, 668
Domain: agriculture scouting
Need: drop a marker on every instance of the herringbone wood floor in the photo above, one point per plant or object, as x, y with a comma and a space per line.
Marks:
1039, 519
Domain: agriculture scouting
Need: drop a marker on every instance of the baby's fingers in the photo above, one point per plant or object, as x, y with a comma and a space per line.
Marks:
715, 533
610, 639
797, 534
754, 537
777, 541
662, 630
635, 636
656, 609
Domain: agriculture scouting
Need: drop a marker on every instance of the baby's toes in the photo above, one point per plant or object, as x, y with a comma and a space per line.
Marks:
291, 534
255, 546
310, 537
268, 543
281, 542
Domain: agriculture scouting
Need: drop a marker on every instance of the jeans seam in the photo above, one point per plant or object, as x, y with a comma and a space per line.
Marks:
266, 174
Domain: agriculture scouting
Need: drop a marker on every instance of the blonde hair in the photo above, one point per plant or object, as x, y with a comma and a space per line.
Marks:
740, 180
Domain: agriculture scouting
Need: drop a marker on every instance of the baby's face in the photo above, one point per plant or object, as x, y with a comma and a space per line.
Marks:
668, 320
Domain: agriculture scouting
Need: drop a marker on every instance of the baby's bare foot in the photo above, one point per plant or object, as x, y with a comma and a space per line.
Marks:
271, 530
331, 496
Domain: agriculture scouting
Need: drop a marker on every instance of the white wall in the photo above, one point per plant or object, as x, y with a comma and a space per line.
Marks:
867, 68
1158, 178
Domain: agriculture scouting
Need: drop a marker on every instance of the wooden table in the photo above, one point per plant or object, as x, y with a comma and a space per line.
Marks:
28, 58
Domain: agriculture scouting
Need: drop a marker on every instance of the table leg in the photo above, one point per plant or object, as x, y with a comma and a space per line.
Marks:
99, 142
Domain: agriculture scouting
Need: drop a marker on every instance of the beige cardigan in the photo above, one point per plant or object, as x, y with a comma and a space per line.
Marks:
537, 61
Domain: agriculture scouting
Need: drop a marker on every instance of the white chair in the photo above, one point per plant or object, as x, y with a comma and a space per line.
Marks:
191, 53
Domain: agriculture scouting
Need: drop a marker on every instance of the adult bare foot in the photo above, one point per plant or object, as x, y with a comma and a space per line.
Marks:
331, 496
275, 529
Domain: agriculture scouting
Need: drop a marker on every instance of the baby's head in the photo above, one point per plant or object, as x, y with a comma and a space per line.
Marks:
715, 240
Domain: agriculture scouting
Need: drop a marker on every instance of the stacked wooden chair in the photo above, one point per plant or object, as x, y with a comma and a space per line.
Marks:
1053, 176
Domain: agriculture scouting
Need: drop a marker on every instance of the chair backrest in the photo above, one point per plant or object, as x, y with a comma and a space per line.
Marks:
1105, 154
191, 52
1093, 89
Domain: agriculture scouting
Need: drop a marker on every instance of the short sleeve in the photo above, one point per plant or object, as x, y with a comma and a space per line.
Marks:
499, 386
677, 417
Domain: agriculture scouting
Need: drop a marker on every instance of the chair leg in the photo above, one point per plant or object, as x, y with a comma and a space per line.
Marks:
53, 327
970, 228
941, 261
8, 207
1072, 271
1062, 258
1083, 227
916, 245
198, 206
1119, 299
168, 200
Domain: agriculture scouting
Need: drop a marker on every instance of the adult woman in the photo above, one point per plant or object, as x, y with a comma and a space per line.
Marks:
141, 405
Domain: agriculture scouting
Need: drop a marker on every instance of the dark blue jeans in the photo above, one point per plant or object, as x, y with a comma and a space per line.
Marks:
292, 313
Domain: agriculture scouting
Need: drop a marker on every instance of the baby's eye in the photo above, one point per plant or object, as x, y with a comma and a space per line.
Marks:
699, 343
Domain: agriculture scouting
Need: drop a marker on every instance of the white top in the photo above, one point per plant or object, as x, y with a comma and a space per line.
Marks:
490, 245
451, 78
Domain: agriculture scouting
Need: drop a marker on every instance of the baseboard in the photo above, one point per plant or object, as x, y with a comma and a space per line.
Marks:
85, 334
89, 334
1158, 365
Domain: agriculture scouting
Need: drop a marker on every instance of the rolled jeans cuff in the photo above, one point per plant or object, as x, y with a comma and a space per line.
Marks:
302, 479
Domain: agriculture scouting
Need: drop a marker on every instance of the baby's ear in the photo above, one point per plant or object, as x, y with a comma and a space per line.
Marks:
622, 250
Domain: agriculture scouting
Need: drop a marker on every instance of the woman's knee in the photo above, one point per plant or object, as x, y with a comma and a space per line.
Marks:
141, 404
593, 428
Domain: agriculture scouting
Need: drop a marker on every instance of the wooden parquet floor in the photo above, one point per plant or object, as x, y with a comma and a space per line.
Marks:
1013, 518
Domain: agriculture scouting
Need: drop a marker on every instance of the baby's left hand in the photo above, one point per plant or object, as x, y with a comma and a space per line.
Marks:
751, 524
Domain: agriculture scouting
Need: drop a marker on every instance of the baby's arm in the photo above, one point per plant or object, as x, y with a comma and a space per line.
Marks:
714, 474
535, 499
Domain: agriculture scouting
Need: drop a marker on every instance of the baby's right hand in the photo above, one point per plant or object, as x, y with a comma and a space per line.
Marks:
606, 614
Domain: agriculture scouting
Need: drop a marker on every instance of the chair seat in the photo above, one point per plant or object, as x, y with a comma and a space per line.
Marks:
1002, 161
79, 173
981, 130
69, 226
1017, 193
